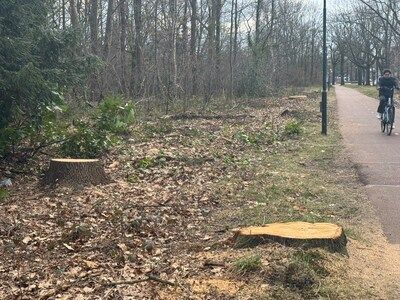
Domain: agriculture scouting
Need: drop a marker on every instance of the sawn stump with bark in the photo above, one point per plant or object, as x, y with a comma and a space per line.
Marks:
75, 172
324, 235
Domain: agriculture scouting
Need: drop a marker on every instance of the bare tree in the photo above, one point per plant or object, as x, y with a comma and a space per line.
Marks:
73, 13
137, 60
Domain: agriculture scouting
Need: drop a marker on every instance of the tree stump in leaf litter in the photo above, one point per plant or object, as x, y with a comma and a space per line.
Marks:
75, 172
325, 235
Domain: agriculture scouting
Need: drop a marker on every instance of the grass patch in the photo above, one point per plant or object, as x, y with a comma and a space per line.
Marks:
367, 90
300, 180
301, 275
3, 194
247, 264
145, 163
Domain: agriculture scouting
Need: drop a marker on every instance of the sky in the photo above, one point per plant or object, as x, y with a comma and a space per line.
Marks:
331, 4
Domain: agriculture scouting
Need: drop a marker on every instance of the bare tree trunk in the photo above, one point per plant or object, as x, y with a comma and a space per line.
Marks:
235, 38
93, 24
334, 74
218, 9
312, 58
107, 35
155, 75
342, 58
231, 50
185, 60
258, 21
174, 67
63, 15
368, 76
210, 51
193, 56
359, 76
73, 13
123, 10
233, 44
137, 58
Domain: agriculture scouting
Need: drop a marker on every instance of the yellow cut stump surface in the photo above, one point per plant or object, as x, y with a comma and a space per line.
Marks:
297, 233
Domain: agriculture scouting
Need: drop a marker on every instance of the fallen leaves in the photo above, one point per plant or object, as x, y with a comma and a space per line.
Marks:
151, 220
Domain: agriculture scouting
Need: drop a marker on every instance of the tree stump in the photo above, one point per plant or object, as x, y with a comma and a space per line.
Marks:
324, 235
75, 172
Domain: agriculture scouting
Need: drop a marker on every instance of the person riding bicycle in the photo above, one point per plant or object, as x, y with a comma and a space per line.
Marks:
386, 85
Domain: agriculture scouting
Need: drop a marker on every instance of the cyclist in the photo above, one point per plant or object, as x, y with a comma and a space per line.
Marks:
386, 85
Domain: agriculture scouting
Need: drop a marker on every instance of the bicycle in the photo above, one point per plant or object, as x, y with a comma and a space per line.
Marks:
387, 119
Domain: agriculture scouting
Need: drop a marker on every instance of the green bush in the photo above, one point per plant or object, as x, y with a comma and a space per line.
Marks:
90, 138
293, 127
115, 115
86, 142
9, 138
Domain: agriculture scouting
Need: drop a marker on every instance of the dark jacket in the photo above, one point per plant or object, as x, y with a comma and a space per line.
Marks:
386, 85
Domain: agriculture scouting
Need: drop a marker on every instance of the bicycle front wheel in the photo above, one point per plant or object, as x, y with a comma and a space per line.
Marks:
383, 126
389, 125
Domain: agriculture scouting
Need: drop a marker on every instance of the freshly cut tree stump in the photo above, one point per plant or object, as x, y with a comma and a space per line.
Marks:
75, 172
325, 235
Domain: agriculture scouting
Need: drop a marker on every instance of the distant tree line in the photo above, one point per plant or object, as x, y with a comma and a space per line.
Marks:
179, 49
365, 40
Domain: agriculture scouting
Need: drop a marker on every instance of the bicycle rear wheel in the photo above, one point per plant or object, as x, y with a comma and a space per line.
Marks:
383, 126
389, 128
389, 125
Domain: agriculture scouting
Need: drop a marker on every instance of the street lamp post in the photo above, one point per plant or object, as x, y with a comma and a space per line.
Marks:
324, 102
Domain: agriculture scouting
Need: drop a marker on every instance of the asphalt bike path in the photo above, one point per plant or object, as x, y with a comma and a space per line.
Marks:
377, 154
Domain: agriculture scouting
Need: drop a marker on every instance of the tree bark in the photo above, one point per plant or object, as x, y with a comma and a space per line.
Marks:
359, 76
93, 24
210, 52
63, 15
193, 36
108, 31
258, 22
73, 14
137, 53
123, 11
75, 172
342, 61
218, 79
173, 59
231, 62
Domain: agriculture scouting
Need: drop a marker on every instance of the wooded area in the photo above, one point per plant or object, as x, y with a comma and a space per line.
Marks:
166, 56
63, 57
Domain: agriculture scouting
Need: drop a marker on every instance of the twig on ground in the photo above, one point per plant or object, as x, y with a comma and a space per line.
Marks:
209, 263
227, 140
149, 277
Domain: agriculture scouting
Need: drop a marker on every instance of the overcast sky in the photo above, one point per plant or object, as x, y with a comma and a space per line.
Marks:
331, 4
